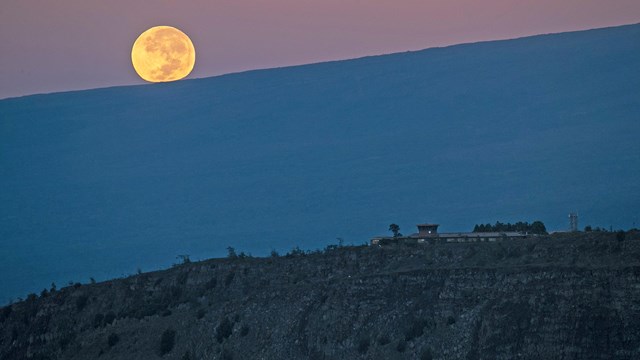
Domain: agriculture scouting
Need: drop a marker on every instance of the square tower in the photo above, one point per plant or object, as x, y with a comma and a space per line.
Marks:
427, 229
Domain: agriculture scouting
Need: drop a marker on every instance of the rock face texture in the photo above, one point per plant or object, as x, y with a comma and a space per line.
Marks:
571, 296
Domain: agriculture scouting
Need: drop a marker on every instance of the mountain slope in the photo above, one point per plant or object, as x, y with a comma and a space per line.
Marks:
98, 183
565, 296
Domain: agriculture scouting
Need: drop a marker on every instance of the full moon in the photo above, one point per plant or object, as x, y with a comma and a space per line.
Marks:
163, 53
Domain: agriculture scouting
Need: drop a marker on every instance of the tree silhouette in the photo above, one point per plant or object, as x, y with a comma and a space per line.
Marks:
538, 228
395, 229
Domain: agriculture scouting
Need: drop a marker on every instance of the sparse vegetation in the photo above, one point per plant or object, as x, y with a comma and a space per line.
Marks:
224, 330
6, 312
383, 340
426, 354
229, 278
167, 341
66, 339
226, 354
415, 330
363, 345
244, 330
184, 259
296, 251
81, 302
201, 313
331, 247
211, 284
175, 291
109, 318
113, 339
589, 228
98, 320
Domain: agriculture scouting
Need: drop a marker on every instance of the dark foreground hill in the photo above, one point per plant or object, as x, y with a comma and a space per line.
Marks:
571, 296
98, 183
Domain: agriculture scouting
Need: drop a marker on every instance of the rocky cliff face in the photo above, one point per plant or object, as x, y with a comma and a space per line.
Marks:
566, 296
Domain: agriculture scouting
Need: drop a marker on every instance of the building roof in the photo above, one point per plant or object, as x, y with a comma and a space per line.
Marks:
428, 225
475, 234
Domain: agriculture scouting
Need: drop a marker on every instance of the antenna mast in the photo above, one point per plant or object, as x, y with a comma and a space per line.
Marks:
573, 221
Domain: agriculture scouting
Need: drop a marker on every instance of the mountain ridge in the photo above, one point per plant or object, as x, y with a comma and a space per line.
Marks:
101, 182
541, 35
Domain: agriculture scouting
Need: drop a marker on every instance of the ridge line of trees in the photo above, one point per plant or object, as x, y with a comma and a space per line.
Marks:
536, 227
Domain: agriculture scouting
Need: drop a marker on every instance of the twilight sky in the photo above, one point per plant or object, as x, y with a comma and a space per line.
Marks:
60, 45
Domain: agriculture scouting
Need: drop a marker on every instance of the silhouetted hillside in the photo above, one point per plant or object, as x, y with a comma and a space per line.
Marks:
561, 296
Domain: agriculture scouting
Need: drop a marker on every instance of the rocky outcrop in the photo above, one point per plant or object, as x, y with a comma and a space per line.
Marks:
567, 296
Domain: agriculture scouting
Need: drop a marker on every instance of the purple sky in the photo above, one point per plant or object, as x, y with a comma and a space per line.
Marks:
78, 44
